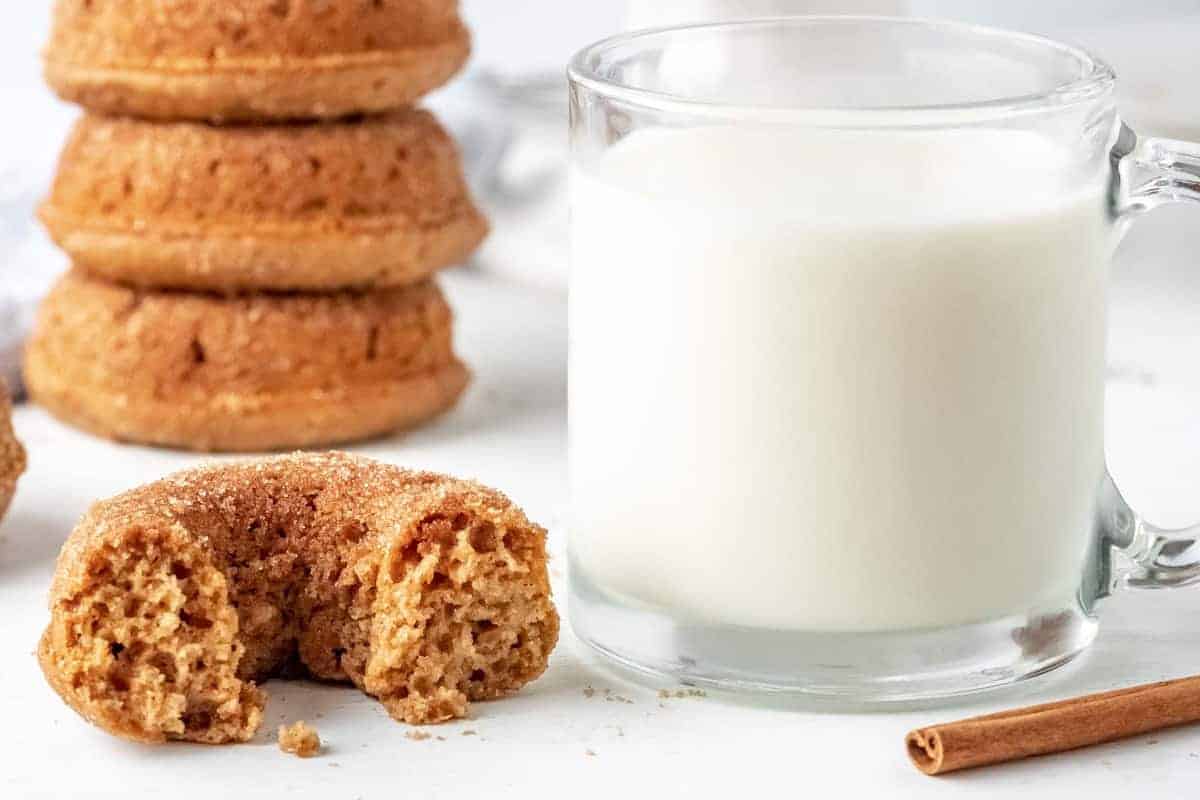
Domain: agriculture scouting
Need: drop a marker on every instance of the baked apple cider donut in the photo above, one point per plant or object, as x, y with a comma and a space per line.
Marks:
173, 602
258, 60
243, 373
375, 202
12, 454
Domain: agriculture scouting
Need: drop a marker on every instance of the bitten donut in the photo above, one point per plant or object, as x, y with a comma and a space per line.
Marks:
380, 201
224, 60
246, 373
171, 602
12, 454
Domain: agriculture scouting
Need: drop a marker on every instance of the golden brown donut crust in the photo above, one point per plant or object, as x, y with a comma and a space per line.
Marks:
379, 201
12, 454
224, 60
245, 373
170, 602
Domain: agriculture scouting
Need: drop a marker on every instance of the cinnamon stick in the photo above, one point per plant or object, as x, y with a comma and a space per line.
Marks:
1054, 727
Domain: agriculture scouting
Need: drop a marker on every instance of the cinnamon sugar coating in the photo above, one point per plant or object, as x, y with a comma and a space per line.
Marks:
244, 373
252, 59
379, 201
12, 454
172, 602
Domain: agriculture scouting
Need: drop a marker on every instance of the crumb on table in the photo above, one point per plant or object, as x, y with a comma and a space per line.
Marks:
299, 739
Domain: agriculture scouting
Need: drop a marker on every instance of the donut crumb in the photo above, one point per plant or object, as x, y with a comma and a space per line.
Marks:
299, 739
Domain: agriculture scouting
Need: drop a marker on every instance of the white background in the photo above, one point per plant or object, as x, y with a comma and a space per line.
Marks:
554, 740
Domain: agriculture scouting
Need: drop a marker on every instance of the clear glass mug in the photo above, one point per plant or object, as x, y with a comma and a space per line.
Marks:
837, 354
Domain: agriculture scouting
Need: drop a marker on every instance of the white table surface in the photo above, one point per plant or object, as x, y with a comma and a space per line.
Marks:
553, 740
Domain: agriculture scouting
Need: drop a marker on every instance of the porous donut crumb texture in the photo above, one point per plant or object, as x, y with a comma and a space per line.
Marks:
172, 602
299, 739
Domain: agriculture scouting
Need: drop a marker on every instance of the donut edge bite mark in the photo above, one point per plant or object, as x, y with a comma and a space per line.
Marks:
429, 592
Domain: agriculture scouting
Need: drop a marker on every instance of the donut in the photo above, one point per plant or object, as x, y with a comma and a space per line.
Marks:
241, 373
380, 201
12, 454
225, 60
171, 603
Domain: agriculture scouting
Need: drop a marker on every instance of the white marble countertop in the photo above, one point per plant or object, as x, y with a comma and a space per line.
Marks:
554, 740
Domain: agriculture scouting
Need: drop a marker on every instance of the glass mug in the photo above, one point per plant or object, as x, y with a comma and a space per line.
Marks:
837, 354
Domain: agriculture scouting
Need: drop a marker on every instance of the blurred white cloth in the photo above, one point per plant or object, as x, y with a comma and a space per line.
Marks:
30, 261
513, 135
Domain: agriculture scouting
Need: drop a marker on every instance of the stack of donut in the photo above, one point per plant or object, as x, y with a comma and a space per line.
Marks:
254, 209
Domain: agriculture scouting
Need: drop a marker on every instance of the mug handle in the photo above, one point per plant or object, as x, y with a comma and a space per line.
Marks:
1151, 172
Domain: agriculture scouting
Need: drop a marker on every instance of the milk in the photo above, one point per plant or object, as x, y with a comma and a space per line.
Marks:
836, 381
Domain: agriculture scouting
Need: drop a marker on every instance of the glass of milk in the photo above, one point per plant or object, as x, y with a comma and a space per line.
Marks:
837, 354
